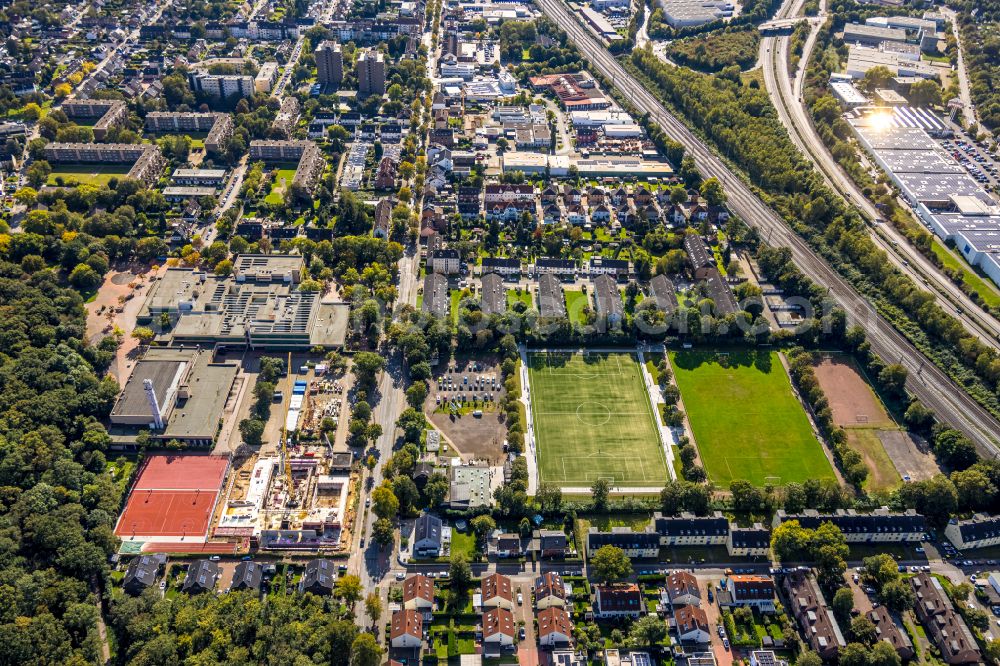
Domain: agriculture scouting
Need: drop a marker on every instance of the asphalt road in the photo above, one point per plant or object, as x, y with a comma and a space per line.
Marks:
774, 58
934, 389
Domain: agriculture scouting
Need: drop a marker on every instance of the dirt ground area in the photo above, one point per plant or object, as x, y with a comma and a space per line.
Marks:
473, 437
124, 290
852, 401
910, 454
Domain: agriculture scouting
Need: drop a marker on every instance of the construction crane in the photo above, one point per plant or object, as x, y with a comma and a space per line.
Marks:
285, 462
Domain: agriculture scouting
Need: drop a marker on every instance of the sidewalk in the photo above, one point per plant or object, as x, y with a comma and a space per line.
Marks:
530, 454
667, 439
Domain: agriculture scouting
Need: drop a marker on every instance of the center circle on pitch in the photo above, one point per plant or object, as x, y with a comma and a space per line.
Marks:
593, 413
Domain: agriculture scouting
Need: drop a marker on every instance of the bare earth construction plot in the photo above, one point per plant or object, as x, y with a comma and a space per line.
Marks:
593, 419
747, 423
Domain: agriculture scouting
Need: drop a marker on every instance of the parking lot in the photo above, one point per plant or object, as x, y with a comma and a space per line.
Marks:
975, 160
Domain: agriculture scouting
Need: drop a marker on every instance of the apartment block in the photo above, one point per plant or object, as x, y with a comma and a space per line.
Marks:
218, 125
222, 85
879, 526
109, 113
329, 62
371, 73
146, 159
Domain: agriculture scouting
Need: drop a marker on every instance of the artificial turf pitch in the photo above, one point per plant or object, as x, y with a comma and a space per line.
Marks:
747, 423
593, 419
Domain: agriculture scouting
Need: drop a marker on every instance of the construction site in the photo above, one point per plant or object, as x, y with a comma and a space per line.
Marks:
304, 496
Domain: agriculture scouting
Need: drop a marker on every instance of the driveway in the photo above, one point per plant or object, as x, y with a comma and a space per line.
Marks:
723, 657
527, 650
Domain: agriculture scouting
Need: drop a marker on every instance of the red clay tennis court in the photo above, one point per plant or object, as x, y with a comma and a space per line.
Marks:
173, 496
191, 472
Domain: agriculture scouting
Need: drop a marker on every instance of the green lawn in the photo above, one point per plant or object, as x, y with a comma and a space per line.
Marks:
882, 473
513, 297
971, 279
746, 421
282, 179
593, 420
576, 301
463, 542
86, 174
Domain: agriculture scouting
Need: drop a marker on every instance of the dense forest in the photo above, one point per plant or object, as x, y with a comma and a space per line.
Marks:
716, 50
57, 501
236, 628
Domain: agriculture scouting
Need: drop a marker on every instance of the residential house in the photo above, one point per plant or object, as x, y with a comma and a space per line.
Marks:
600, 214
608, 301
383, 218
890, 632
766, 658
945, 627
619, 600
497, 592
682, 589
699, 256
554, 627
688, 529
494, 295
674, 215
635, 544
616, 268
447, 261
428, 536
751, 590
879, 526
719, 292
549, 196
979, 531
663, 293
572, 195
816, 623
247, 576
436, 300
319, 577
692, 624
385, 177
418, 593
503, 266
507, 546
142, 572
749, 541
498, 627
406, 629
550, 590
494, 193
557, 267
552, 543
202, 576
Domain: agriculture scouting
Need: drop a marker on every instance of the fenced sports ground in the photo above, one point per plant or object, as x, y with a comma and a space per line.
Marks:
593, 419
746, 421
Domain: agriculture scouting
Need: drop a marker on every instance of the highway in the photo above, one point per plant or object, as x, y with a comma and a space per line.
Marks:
928, 383
786, 96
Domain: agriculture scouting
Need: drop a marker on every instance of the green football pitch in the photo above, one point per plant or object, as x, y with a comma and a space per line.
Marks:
593, 420
747, 423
